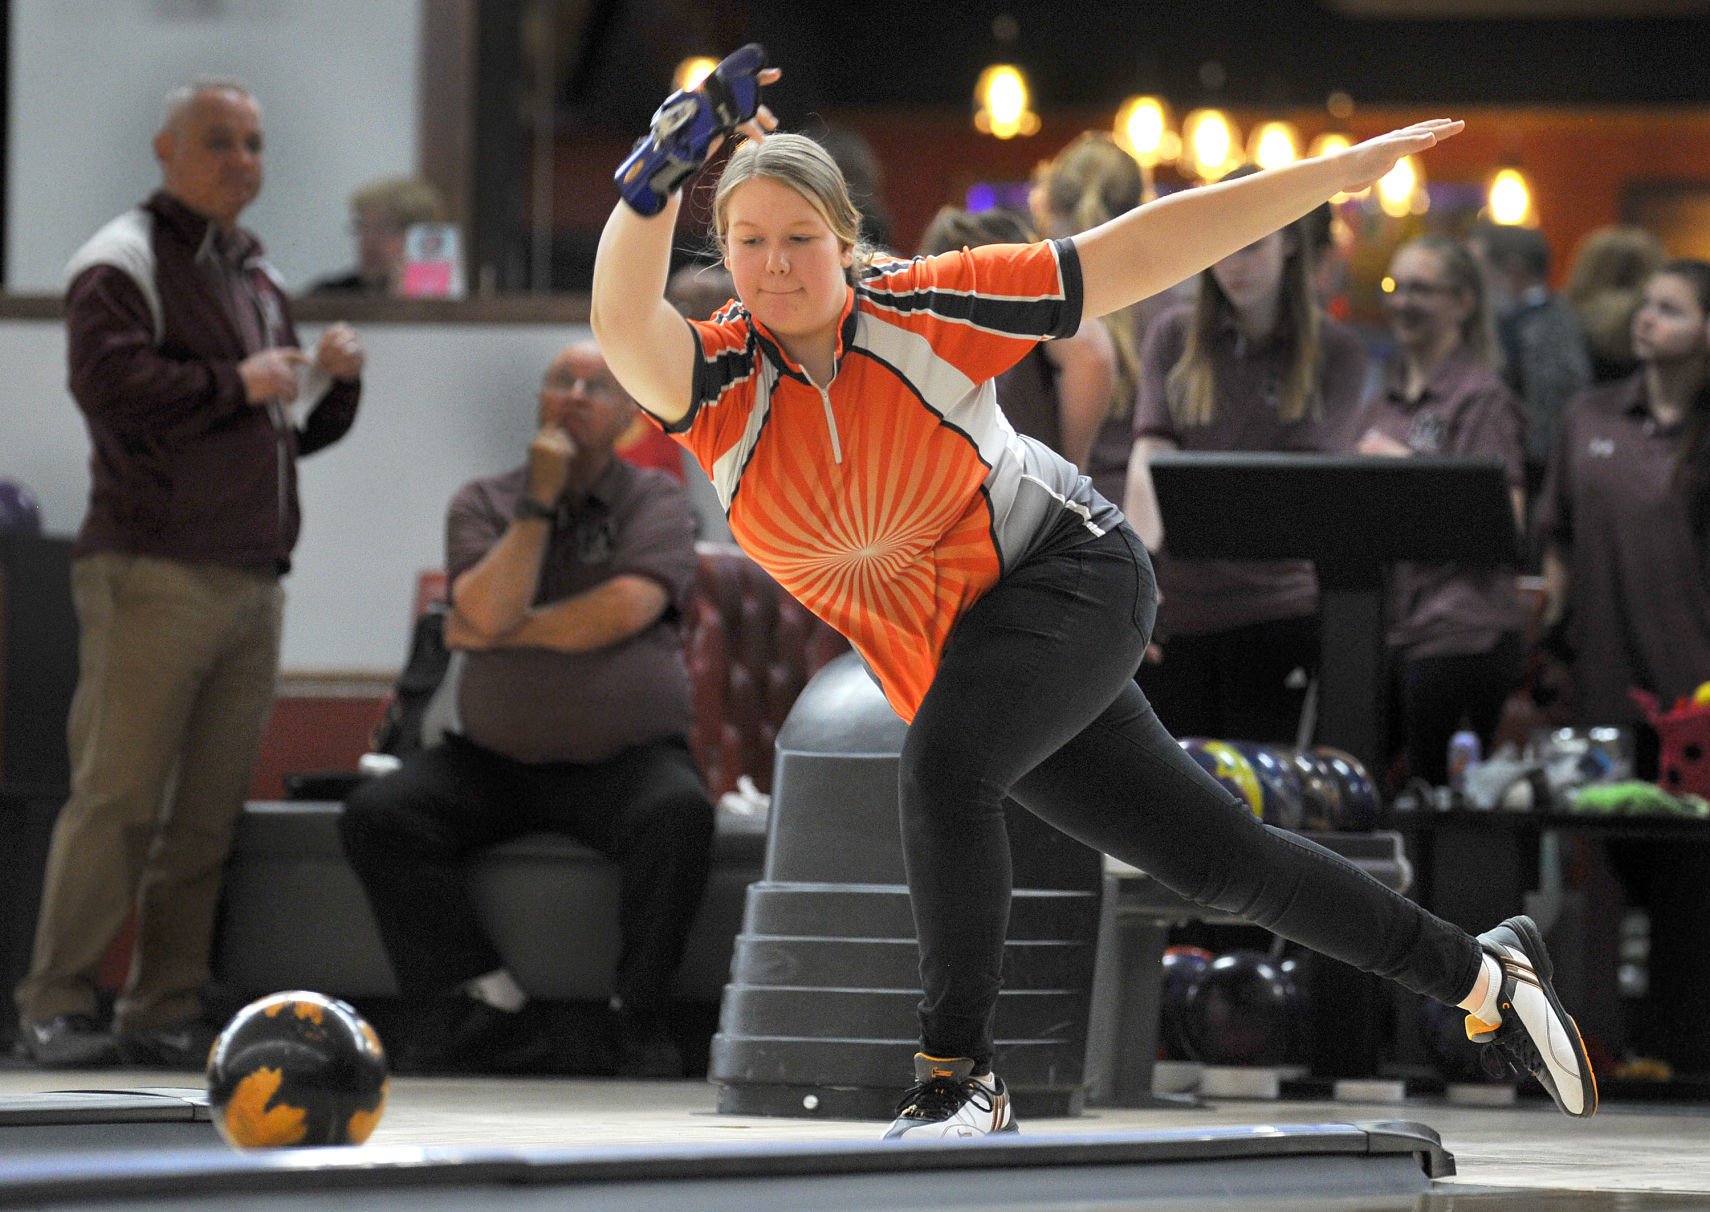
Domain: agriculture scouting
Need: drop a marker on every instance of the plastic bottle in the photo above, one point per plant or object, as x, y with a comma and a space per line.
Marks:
1464, 751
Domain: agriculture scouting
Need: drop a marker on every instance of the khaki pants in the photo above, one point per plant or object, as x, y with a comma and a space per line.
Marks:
176, 677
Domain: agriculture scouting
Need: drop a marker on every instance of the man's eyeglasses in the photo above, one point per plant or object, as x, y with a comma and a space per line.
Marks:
1413, 289
359, 228
592, 387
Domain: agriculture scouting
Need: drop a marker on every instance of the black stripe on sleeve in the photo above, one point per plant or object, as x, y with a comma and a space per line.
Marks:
1033, 318
712, 376
1074, 291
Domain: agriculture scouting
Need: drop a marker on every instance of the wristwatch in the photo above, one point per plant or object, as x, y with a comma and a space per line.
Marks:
528, 507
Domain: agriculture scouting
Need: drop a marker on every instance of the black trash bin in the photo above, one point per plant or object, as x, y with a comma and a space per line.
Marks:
38, 672
819, 1017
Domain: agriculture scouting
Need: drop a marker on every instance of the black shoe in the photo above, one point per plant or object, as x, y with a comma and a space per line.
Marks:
463, 1034
70, 1041
185, 1046
645, 1047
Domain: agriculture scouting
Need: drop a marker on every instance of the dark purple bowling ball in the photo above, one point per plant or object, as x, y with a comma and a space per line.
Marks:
1359, 806
20, 513
1183, 966
1321, 790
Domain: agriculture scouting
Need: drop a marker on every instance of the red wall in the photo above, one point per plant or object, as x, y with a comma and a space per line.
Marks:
1581, 161
312, 732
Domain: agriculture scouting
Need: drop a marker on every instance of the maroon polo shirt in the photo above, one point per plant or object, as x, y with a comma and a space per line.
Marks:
1639, 583
539, 705
1202, 596
1465, 409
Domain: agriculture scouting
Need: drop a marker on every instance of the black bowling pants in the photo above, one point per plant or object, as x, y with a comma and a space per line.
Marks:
1035, 700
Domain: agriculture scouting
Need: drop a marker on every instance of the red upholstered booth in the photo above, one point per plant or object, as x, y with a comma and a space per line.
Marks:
294, 916
751, 648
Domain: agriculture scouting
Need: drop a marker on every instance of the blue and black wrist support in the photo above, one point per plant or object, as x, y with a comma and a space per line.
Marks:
685, 127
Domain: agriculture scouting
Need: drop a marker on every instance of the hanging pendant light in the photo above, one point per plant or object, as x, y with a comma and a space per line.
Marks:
1002, 103
1510, 198
692, 71
1273, 144
1209, 140
1142, 129
1401, 191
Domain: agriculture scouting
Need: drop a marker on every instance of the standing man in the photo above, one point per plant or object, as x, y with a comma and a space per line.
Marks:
1544, 358
198, 401
569, 576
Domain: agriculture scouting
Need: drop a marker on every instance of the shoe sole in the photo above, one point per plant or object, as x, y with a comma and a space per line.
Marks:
1532, 943
94, 1058
1012, 1126
160, 1054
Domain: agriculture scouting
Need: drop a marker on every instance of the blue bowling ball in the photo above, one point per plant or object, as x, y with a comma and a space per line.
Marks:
1320, 790
1282, 796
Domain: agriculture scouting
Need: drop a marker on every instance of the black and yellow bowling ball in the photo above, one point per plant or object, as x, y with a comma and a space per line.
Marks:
1224, 763
296, 1069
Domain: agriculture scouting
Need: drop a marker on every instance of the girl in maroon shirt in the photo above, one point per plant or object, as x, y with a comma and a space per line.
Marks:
1251, 365
1626, 512
1455, 631
1089, 182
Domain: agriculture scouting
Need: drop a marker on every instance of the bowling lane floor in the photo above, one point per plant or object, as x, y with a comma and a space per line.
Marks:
1633, 1157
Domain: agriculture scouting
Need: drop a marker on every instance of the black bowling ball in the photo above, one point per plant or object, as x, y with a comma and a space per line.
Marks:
1442, 1029
1241, 1011
294, 1069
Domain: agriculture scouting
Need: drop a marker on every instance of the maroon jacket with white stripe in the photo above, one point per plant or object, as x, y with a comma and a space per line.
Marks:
182, 465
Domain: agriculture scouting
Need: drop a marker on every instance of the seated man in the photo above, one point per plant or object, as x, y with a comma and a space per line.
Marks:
567, 579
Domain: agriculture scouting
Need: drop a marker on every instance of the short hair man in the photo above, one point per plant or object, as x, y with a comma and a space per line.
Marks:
568, 577
381, 215
1543, 349
186, 367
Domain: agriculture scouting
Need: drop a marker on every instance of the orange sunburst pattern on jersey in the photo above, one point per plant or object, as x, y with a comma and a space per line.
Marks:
888, 550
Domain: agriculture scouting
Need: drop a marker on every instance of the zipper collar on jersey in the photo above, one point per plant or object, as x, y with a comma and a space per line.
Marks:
788, 366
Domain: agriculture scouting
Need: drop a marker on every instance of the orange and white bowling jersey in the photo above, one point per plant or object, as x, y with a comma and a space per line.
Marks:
889, 500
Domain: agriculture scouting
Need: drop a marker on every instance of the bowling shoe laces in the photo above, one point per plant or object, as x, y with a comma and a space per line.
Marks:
948, 1101
1535, 1035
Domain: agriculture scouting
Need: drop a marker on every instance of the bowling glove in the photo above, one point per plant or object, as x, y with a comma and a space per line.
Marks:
685, 127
